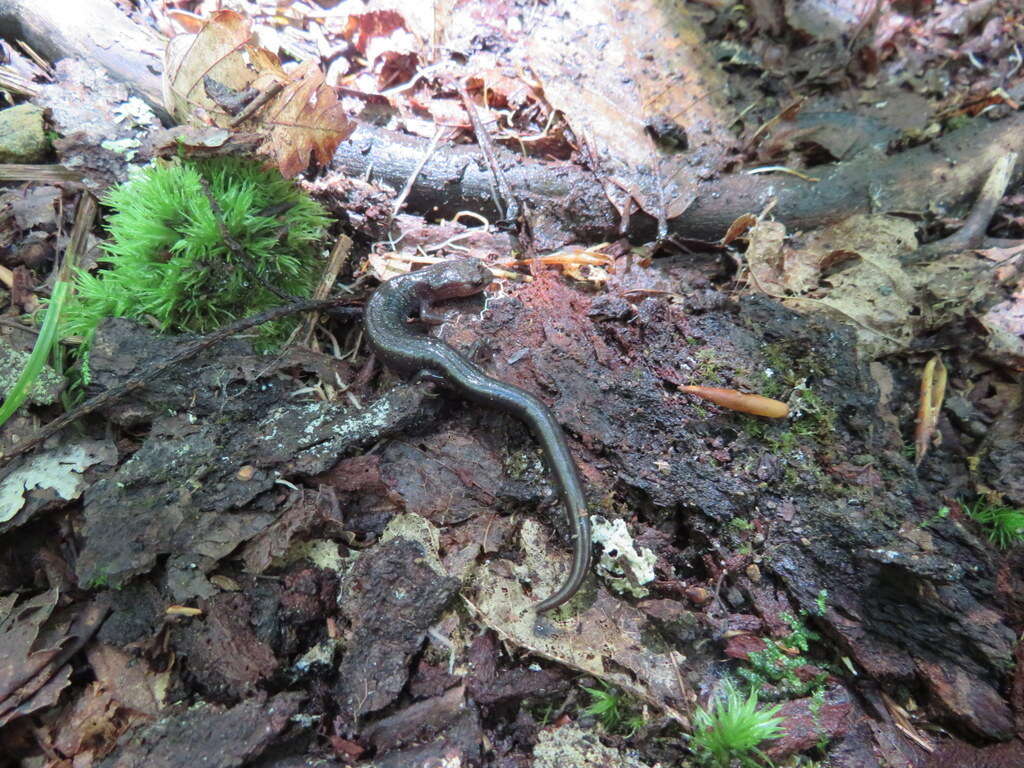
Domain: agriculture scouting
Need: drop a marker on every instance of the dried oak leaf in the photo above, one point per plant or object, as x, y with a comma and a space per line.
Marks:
27, 680
305, 119
302, 118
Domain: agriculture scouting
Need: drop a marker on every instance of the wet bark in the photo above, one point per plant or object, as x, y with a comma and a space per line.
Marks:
95, 30
567, 202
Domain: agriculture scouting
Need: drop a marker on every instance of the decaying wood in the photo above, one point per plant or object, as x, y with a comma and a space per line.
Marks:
95, 30
566, 202
570, 203
190, 350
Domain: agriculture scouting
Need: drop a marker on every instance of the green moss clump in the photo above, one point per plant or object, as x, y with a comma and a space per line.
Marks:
166, 261
776, 666
1004, 525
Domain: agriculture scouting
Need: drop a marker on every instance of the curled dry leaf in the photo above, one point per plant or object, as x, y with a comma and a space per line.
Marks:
933, 392
606, 640
298, 115
739, 227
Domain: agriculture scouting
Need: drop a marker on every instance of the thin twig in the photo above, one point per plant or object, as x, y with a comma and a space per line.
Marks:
85, 217
339, 254
504, 200
184, 353
254, 105
18, 172
972, 233
431, 148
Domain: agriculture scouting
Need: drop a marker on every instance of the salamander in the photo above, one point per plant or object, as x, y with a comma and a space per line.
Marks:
401, 346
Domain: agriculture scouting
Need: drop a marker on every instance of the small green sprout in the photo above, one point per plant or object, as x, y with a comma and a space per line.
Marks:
942, 514
733, 728
776, 665
819, 603
614, 709
1004, 525
740, 524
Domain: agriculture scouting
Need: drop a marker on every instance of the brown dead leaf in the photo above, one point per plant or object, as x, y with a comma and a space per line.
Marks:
500, 91
856, 272
27, 682
765, 256
378, 28
1005, 325
606, 640
1008, 260
382, 36
128, 680
624, 72
873, 290
801, 269
739, 227
216, 51
300, 118
952, 287
90, 730
305, 119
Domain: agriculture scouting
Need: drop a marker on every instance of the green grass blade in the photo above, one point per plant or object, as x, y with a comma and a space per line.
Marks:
40, 352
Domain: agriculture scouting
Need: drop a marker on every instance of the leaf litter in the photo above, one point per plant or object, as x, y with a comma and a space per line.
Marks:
854, 270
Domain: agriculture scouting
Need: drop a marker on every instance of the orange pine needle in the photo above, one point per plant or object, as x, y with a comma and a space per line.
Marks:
735, 400
933, 392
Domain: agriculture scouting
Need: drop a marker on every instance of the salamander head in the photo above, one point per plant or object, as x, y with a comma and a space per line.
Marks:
456, 279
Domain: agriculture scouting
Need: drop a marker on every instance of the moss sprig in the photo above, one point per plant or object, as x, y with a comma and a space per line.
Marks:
167, 263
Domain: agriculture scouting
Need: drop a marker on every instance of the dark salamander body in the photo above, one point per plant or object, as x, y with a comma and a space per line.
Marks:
401, 346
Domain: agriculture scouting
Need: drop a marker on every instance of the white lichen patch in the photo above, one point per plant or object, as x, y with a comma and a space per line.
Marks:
126, 147
43, 391
573, 747
594, 633
412, 526
59, 471
323, 553
320, 655
626, 568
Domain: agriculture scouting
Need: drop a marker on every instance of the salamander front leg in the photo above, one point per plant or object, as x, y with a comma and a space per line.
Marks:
427, 376
431, 315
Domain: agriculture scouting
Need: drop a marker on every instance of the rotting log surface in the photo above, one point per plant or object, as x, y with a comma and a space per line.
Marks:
570, 204
910, 599
95, 30
567, 201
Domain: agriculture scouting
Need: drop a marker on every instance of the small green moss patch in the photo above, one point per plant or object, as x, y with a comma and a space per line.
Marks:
167, 262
